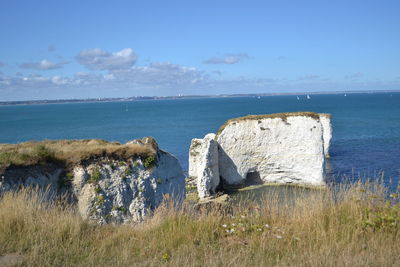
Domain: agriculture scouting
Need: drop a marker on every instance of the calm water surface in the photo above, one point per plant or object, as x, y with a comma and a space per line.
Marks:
366, 127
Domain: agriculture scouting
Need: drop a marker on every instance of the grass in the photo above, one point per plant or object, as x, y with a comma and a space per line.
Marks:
356, 226
95, 176
68, 152
149, 162
282, 116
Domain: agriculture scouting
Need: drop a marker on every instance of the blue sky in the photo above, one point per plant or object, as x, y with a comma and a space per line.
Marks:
80, 49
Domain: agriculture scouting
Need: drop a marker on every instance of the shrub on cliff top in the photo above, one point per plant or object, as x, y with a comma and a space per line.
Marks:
149, 161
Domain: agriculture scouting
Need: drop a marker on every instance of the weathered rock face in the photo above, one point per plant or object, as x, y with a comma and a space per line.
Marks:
276, 148
203, 164
125, 192
272, 149
107, 190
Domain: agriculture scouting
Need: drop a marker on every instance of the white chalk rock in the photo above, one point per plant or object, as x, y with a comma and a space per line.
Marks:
203, 165
106, 189
276, 148
127, 192
326, 132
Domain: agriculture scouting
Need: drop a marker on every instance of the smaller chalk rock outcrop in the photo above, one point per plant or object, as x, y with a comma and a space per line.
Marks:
274, 148
203, 164
109, 182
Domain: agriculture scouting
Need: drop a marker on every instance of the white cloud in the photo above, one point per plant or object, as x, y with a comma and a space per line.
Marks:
98, 59
227, 59
58, 80
157, 79
109, 77
160, 74
43, 65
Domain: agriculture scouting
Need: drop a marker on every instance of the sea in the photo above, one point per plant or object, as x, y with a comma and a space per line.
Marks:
366, 127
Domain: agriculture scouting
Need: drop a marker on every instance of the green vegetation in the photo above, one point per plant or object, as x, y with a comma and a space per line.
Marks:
120, 208
282, 116
36, 154
95, 176
97, 190
66, 181
149, 161
121, 163
112, 166
191, 188
128, 171
356, 226
99, 200
68, 152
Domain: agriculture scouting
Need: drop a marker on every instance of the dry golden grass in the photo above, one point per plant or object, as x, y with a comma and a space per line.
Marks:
355, 227
67, 152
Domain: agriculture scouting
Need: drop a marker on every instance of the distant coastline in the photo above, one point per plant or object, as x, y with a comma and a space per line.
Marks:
139, 98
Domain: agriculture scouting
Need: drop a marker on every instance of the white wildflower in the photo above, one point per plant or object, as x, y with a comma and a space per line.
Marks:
278, 236
224, 225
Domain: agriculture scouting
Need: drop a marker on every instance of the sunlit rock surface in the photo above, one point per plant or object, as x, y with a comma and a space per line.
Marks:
275, 148
203, 164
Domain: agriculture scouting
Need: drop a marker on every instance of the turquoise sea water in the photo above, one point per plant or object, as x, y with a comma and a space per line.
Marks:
366, 127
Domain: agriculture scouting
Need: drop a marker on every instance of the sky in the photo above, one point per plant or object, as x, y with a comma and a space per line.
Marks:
95, 49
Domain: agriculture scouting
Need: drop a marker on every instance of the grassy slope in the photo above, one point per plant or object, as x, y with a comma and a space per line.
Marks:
359, 230
66, 152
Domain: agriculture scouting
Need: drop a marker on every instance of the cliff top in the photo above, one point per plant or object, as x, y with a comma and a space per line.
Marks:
282, 116
70, 152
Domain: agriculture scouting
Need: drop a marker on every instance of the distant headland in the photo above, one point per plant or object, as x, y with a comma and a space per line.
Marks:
138, 98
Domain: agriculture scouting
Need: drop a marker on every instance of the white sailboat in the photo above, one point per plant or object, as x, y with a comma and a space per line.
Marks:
298, 98
308, 97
